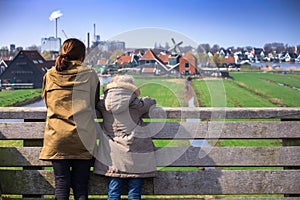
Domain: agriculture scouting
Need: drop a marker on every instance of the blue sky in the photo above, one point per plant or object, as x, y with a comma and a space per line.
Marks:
237, 23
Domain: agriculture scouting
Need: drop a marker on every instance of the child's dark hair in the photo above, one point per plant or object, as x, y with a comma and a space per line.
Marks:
72, 49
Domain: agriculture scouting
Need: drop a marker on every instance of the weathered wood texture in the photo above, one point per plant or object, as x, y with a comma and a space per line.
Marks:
167, 112
169, 182
194, 181
181, 156
178, 130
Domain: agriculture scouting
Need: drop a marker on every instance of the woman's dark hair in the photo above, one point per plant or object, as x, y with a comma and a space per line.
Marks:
72, 49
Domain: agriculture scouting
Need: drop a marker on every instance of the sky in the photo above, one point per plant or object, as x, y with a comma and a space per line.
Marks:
141, 23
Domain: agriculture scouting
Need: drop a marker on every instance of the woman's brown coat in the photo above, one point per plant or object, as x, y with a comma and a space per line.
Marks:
70, 96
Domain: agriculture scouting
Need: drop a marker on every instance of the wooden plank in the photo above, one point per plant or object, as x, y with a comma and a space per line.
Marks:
22, 112
168, 112
169, 182
21, 157
181, 156
221, 113
178, 130
228, 156
227, 182
21, 130
225, 130
41, 182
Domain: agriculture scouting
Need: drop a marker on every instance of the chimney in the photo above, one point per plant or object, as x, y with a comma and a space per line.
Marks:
94, 32
56, 27
88, 40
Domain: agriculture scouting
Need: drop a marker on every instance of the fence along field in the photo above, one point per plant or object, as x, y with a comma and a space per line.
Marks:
31, 180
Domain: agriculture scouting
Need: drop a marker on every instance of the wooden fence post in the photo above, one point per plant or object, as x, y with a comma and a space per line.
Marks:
291, 142
33, 143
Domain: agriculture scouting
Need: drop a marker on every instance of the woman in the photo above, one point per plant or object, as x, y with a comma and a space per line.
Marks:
70, 91
126, 151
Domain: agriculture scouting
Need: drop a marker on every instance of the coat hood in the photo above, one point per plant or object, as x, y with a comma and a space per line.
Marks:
119, 95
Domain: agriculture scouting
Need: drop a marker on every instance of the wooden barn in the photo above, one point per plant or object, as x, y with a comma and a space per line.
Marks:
26, 69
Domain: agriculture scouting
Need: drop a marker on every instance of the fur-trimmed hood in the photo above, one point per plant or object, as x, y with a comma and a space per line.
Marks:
119, 95
125, 85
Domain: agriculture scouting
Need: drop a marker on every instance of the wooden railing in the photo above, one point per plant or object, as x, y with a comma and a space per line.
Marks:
217, 171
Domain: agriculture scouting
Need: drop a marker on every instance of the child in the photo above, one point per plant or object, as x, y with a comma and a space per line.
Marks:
126, 152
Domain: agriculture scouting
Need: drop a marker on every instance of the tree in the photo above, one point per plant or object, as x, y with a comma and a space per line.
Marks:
216, 60
290, 49
47, 55
202, 58
114, 55
248, 48
268, 47
215, 48
186, 48
203, 48
167, 46
278, 47
239, 49
33, 48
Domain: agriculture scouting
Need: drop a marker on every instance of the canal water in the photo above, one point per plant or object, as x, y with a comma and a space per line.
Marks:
190, 99
283, 65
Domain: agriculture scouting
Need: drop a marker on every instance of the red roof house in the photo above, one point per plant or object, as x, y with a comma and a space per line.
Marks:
188, 64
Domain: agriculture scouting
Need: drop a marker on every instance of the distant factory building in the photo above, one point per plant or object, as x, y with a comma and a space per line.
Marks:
12, 47
51, 44
117, 45
26, 70
111, 45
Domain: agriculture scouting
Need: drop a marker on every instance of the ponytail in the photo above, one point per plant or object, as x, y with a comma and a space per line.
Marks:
62, 62
72, 49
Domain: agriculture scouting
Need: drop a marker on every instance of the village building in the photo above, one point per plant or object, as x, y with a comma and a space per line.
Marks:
188, 64
127, 61
26, 70
229, 62
164, 57
3, 65
150, 64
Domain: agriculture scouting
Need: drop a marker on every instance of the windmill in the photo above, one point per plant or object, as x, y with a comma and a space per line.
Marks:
175, 48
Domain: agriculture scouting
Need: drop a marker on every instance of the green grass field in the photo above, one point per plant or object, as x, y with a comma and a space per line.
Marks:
12, 97
231, 95
249, 89
166, 92
266, 85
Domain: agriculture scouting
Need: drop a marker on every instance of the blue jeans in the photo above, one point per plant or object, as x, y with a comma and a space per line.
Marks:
71, 174
115, 186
